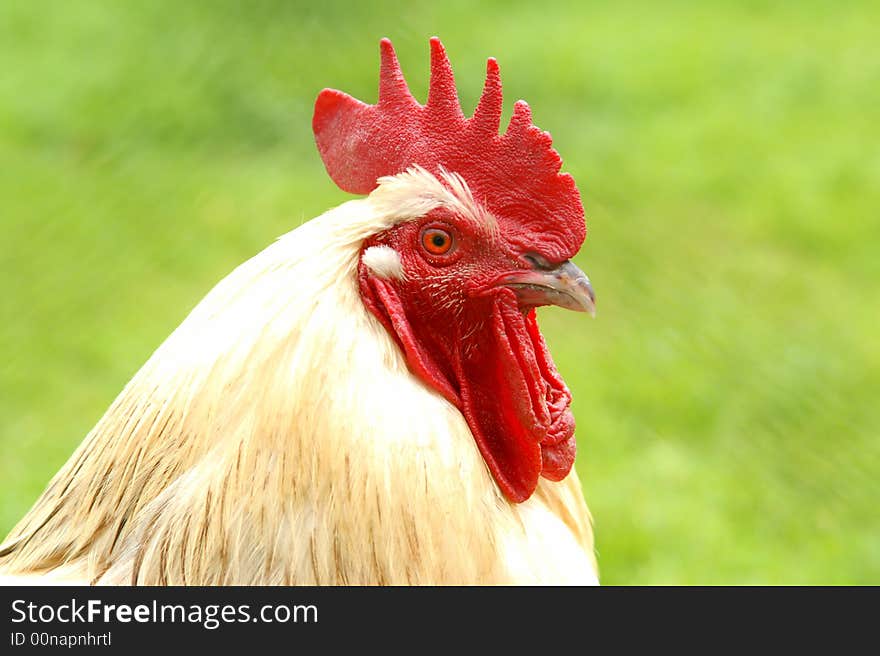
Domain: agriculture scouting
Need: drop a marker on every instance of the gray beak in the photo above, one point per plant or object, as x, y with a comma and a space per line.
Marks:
565, 285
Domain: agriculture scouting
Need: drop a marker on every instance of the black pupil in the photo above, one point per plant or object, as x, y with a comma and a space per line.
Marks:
438, 240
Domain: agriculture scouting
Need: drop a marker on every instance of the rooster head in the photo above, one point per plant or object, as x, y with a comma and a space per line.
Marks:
456, 281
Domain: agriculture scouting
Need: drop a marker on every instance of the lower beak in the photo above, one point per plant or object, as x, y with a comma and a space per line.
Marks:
566, 286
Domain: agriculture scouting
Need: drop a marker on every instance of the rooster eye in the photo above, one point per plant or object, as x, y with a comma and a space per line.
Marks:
436, 241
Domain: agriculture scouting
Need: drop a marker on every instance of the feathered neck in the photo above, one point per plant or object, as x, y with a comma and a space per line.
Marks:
276, 436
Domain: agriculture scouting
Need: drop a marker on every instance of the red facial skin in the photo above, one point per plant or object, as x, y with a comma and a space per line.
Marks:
470, 339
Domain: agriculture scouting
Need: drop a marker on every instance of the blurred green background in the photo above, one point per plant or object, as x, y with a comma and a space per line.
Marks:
728, 156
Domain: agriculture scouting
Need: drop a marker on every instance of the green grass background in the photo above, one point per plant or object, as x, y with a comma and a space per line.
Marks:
729, 160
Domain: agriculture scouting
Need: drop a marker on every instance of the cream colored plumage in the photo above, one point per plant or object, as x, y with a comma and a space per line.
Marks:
278, 437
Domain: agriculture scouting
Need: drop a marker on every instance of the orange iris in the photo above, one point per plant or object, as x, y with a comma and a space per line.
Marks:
436, 241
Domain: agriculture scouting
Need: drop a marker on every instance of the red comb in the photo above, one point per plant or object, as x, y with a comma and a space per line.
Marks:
514, 175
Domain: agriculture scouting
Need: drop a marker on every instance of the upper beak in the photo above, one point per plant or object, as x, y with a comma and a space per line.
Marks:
565, 285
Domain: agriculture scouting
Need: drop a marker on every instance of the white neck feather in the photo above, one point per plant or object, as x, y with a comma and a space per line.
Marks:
277, 436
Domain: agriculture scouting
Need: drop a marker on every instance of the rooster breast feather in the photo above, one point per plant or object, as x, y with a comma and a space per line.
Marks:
277, 437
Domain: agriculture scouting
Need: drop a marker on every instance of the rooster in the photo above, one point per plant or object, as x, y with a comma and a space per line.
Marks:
368, 400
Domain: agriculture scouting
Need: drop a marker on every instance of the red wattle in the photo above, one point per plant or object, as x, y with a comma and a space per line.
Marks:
501, 378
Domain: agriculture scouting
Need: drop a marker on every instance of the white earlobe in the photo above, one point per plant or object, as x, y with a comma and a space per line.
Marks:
384, 261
